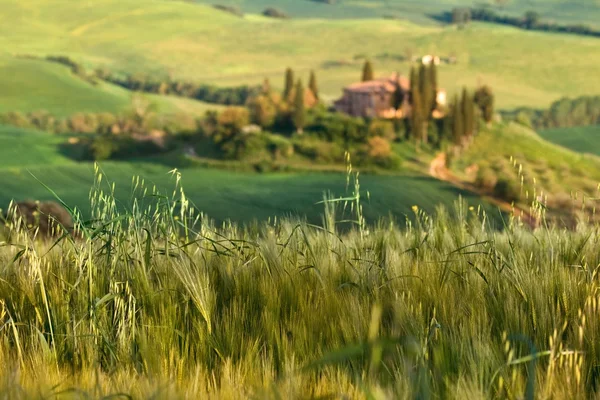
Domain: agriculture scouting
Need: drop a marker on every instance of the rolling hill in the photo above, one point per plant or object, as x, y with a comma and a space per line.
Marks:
573, 11
31, 85
210, 46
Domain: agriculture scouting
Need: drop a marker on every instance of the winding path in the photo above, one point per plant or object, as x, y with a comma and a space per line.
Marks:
438, 169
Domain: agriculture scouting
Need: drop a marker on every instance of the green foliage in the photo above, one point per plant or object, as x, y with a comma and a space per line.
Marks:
319, 151
229, 123
562, 113
507, 189
275, 13
340, 128
289, 83
382, 128
102, 148
484, 99
458, 121
263, 110
367, 73
531, 20
299, 111
461, 16
312, 84
486, 179
468, 110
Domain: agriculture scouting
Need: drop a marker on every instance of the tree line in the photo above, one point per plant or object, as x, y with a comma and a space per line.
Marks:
531, 20
563, 113
139, 82
208, 93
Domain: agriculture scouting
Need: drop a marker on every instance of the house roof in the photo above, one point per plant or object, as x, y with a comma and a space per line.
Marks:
388, 84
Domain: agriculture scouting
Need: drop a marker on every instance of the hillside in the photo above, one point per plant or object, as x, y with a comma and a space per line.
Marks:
31, 85
210, 46
583, 139
561, 176
222, 195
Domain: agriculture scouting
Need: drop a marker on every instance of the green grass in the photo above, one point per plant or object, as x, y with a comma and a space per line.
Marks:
209, 46
32, 85
583, 139
149, 305
223, 195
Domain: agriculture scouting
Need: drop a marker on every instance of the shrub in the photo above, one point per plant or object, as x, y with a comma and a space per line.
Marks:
279, 147
275, 13
524, 119
230, 9
379, 148
245, 147
105, 121
16, 119
263, 111
507, 189
383, 129
231, 121
83, 123
486, 179
102, 147
320, 151
42, 120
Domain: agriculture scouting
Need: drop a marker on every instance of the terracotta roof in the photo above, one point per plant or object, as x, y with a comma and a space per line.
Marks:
387, 84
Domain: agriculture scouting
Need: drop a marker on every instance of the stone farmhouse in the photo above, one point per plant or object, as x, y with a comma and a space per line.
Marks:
374, 98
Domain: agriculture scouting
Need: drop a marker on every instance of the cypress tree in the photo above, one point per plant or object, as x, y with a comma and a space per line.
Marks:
414, 82
266, 86
427, 99
289, 83
468, 113
458, 125
426, 88
417, 118
398, 96
312, 84
299, 114
433, 78
367, 74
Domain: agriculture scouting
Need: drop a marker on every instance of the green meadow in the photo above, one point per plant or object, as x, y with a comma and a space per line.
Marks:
33, 159
583, 139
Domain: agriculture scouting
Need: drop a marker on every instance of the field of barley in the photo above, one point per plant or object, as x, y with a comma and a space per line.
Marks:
155, 301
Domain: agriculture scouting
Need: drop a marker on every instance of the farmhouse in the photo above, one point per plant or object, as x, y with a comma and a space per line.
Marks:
375, 98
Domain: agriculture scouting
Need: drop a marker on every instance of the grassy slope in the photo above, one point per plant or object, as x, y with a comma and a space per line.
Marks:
557, 170
583, 139
221, 194
31, 85
207, 45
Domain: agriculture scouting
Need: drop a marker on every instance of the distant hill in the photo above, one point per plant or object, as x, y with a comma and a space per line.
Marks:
568, 11
195, 42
